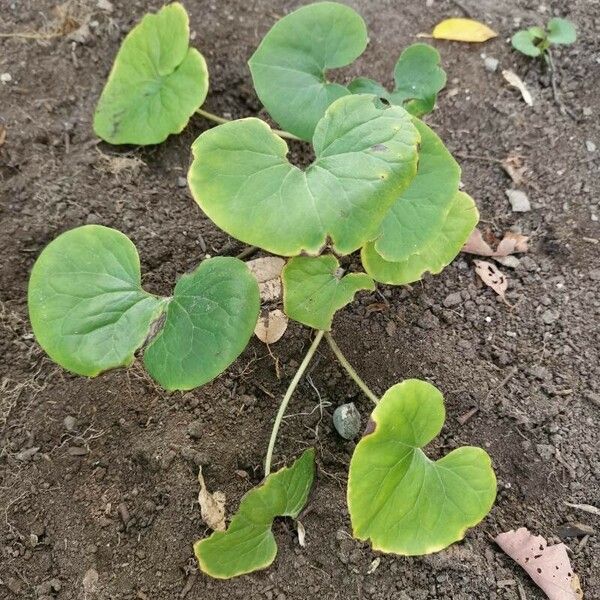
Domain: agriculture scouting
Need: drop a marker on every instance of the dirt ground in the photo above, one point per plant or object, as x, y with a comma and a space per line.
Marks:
113, 487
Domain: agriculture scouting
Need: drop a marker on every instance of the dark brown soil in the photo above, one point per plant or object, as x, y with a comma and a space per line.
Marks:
117, 491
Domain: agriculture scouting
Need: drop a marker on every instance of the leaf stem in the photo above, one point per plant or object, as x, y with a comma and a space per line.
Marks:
350, 369
220, 120
286, 399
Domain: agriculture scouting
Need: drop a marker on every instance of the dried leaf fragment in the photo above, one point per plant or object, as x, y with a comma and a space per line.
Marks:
515, 81
271, 326
212, 506
267, 271
548, 566
511, 243
491, 276
463, 30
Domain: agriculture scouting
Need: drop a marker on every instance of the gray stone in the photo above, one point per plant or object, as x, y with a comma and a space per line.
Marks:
546, 451
195, 429
519, 200
491, 64
347, 421
550, 316
452, 300
70, 423
591, 147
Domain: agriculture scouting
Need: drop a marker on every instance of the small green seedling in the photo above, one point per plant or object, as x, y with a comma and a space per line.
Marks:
537, 41
382, 183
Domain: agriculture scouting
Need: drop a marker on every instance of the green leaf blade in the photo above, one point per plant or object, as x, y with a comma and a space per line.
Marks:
419, 78
289, 66
524, 42
433, 257
86, 304
248, 544
313, 291
419, 212
561, 31
398, 498
209, 322
156, 82
365, 155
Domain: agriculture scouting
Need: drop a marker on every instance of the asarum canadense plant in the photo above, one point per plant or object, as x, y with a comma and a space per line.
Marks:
382, 183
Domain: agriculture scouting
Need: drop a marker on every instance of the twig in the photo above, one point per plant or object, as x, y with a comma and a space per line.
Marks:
247, 252
585, 508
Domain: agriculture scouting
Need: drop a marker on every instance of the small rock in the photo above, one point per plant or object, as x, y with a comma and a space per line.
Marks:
198, 458
195, 429
428, 321
77, 451
168, 459
591, 147
5, 77
181, 182
346, 420
587, 111
491, 64
595, 275
390, 328
90, 579
550, 316
70, 423
27, 455
452, 300
519, 200
545, 451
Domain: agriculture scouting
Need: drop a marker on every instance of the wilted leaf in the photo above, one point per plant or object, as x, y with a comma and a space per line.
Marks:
271, 326
491, 276
267, 271
212, 506
548, 566
513, 79
477, 245
511, 243
463, 30
514, 167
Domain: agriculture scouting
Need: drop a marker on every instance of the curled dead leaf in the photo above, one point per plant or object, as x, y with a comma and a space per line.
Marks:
271, 326
2, 135
212, 506
491, 276
267, 271
511, 243
301, 534
548, 566
515, 81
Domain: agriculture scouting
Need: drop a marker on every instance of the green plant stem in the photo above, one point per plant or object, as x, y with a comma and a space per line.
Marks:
286, 398
350, 369
221, 120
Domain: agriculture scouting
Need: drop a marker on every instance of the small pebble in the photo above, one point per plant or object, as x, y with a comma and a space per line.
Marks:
346, 420
519, 200
491, 64
453, 300
181, 182
195, 429
5, 77
591, 147
70, 423
550, 316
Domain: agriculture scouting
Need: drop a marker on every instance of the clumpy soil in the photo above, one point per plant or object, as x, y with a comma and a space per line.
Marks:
101, 474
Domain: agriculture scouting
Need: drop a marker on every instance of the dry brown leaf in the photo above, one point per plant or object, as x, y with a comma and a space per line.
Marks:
271, 326
514, 167
513, 79
301, 534
2, 135
491, 276
548, 566
511, 243
267, 271
212, 506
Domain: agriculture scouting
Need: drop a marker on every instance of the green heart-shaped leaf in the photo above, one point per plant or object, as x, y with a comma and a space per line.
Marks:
417, 215
89, 312
210, 320
289, 66
401, 500
418, 78
86, 304
248, 544
525, 42
561, 31
366, 155
156, 84
313, 289
436, 254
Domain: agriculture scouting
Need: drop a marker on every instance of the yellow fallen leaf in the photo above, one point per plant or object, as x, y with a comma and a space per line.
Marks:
463, 30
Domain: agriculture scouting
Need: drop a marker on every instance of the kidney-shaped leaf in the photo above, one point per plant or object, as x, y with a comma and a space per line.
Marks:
526, 42
401, 500
86, 304
434, 255
418, 213
248, 544
89, 312
366, 155
418, 76
314, 289
157, 82
210, 319
289, 66
561, 31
